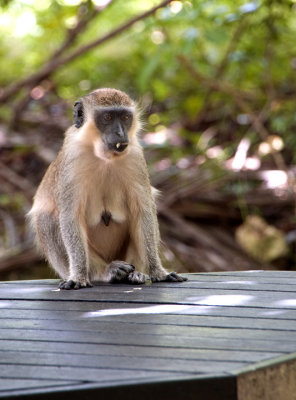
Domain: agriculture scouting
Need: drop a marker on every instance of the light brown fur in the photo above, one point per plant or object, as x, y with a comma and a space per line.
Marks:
85, 181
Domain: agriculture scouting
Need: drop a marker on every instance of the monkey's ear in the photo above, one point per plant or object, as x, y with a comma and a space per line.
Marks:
78, 114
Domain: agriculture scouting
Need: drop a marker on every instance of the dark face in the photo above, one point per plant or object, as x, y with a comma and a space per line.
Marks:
114, 124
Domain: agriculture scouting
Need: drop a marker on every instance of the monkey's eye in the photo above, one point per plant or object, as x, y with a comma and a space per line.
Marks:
125, 117
107, 117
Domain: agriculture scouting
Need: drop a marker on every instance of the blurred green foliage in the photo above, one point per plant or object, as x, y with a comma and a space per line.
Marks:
249, 44
216, 80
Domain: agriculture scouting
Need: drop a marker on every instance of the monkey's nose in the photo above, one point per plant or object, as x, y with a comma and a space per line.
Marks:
120, 147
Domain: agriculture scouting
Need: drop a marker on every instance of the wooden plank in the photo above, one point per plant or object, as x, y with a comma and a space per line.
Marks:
122, 363
70, 309
18, 384
31, 282
250, 273
44, 318
264, 276
137, 351
203, 282
144, 294
242, 282
85, 374
232, 283
256, 343
122, 336
89, 325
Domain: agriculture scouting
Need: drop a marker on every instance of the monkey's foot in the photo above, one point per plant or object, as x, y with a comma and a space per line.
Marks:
136, 278
119, 271
171, 277
67, 285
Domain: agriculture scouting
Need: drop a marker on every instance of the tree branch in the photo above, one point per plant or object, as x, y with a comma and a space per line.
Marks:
54, 63
215, 84
240, 98
83, 20
233, 43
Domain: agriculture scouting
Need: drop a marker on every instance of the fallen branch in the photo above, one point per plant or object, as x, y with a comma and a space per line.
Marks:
17, 181
202, 248
18, 256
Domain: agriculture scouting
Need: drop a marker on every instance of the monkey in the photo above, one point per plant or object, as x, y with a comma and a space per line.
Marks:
94, 213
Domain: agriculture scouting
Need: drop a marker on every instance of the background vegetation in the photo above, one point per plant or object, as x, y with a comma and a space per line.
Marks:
216, 82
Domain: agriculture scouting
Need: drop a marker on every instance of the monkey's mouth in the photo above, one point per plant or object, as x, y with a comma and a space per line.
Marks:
120, 147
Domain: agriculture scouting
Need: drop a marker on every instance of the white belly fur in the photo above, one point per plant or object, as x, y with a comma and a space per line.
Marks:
108, 242
108, 195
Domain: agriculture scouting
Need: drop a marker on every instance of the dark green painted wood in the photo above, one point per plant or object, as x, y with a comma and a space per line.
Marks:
137, 351
222, 311
134, 339
63, 328
131, 363
86, 374
44, 318
22, 384
151, 294
154, 341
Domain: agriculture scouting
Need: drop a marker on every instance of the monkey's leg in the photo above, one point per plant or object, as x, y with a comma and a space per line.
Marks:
50, 242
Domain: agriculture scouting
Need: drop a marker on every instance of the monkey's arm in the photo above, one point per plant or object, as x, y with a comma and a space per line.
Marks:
150, 233
77, 254
151, 238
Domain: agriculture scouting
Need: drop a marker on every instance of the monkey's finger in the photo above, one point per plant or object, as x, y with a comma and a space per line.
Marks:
171, 278
136, 278
67, 285
174, 277
166, 278
127, 268
120, 270
178, 278
77, 286
81, 285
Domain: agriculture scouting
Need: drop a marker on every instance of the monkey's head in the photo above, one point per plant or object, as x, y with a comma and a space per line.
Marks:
107, 119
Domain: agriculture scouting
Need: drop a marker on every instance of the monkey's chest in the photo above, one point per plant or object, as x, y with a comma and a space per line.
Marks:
106, 209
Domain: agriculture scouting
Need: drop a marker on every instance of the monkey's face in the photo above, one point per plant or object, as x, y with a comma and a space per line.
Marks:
107, 120
114, 124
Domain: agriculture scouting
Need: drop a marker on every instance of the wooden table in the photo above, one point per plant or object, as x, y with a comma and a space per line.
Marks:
218, 336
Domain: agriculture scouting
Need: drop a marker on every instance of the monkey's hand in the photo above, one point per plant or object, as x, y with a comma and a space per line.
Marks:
120, 271
136, 278
171, 277
70, 284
